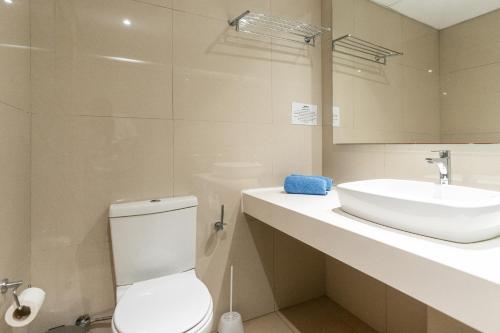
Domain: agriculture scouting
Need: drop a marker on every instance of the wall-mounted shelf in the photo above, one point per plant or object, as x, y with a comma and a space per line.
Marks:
363, 49
277, 27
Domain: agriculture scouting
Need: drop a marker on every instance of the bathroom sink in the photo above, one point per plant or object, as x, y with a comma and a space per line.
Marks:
453, 213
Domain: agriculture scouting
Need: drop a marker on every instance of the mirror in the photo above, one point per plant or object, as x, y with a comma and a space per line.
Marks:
445, 88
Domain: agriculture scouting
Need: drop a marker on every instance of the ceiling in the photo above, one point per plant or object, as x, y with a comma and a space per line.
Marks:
441, 14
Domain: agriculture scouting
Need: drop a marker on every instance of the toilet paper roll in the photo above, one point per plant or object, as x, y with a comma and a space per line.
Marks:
32, 297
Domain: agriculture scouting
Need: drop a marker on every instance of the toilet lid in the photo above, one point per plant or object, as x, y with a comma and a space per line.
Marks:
174, 303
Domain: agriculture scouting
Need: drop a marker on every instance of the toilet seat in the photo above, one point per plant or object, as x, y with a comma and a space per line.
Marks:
177, 303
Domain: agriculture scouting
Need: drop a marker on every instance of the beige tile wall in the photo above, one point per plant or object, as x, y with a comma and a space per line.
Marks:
15, 120
470, 68
394, 103
175, 104
358, 293
383, 308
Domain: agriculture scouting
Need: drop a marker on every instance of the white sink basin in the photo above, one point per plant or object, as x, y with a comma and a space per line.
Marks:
454, 213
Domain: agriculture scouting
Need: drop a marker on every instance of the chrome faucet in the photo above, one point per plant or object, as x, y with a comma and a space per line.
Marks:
443, 164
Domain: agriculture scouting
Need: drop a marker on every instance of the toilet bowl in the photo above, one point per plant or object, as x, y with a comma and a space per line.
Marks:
157, 289
174, 303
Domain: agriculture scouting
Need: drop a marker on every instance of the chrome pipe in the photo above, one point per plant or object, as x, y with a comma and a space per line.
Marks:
5, 285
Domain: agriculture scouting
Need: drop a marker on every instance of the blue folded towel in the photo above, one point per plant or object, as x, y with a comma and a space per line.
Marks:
328, 180
305, 185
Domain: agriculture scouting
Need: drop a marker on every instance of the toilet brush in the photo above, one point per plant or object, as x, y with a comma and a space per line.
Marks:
231, 322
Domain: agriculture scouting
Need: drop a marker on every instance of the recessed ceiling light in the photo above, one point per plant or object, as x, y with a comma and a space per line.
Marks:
430, 70
8, 1
359, 70
445, 93
127, 22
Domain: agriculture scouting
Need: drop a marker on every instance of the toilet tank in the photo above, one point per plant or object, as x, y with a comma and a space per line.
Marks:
153, 238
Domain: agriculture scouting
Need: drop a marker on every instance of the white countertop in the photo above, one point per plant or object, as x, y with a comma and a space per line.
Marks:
461, 280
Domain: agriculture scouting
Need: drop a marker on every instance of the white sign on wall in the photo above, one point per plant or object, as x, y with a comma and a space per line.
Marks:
304, 114
336, 116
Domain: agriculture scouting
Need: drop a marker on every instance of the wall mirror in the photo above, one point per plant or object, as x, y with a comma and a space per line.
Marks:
444, 88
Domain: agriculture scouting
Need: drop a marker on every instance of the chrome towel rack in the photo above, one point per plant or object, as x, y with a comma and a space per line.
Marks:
363, 49
277, 27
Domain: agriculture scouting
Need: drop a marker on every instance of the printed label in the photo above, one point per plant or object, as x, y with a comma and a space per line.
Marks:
304, 114
336, 116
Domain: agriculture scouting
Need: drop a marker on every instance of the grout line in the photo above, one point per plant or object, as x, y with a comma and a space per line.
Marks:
111, 116
201, 15
440, 87
274, 270
30, 148
384, 152
471, 68
13, 106
174, 121
386, 308
156, 118
288, 324
151, 4
273, 135
172, 8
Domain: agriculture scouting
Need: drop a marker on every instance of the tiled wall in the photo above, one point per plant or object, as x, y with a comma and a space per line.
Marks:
176, 103
394, 103
471, 165
470, 68
383, 308
15, 120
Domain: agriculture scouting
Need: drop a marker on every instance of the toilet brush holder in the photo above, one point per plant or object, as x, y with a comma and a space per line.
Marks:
231, 322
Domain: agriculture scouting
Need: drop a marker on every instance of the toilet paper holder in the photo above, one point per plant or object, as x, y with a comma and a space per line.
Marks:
219, 225
5, 285
21, 311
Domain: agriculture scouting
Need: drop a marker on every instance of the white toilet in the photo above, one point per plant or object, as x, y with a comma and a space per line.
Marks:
157, 290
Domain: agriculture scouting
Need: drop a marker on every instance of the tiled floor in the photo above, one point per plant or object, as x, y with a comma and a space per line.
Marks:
269, 323
317, 316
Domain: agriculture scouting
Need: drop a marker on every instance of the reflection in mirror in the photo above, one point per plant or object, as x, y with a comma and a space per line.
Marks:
443, 89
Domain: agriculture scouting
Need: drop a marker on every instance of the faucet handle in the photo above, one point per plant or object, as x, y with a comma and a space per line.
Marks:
442, 153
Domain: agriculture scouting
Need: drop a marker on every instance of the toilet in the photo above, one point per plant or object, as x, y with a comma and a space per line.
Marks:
157, 290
